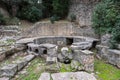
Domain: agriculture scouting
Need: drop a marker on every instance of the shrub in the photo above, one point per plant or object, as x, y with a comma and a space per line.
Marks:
2, 19
33, 11
60, 8
32, 14
47, 8
106, 19
12, 21
115, 40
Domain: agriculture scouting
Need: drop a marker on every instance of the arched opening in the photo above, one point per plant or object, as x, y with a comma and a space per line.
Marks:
69, 41
45, 51
36, 51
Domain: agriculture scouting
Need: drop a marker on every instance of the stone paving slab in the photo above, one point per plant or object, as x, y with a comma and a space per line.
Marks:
4, 78
45, 76
68, 76
73, 76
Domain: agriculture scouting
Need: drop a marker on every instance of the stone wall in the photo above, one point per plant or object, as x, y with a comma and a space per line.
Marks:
60, 28
48, 29
83, 10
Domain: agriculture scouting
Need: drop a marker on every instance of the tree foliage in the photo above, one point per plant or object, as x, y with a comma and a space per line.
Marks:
2, 19
34, 11
60, 7
106, 19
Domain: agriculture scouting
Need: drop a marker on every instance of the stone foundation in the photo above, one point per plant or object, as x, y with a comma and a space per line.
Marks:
109, 55
53, 52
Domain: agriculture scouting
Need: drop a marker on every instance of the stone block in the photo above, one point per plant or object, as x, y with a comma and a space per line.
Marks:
21, 64
48, 46
75, 65
82, 45
85, 58
73, 76
28, 58
45, 76
51, 60
2, 56
52, 52
8, 70
114, 56
4, 78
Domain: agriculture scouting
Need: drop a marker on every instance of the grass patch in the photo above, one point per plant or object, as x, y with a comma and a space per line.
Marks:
106, 71
66, 68
33, 71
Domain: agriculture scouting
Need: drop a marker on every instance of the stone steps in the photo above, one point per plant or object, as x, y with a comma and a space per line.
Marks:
11, 51
8, 71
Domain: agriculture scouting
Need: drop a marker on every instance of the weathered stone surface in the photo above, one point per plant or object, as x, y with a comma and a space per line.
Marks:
82, 45
102, 52
28, 58
73, 76
33, 48
83, 10
25, 41
52, 51
21, 64
109, 55
53, 68
114, 57
4, 78
63, 40
105, 40
8, 52
2, 56
8, 70
60, 57
75, 65
9, 30
20, 47
66, 52
48, 46
51, 59
85, 58
45, 76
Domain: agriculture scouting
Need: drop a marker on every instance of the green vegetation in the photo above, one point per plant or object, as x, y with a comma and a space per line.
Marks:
106, 71
2, 19
106, 19
60, 8
34, 10
103, 71
33, 71
66, 68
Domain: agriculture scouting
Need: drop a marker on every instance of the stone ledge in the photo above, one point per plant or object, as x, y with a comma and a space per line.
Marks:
111, 56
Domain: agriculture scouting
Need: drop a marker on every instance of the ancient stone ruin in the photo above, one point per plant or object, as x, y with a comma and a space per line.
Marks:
67, 50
